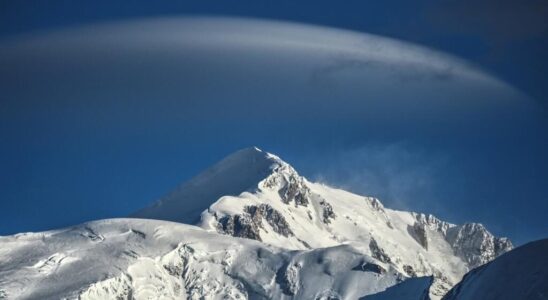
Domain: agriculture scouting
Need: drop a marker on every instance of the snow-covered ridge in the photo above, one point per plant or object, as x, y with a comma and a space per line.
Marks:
281, 208
228, 177
518, 274
262, 232
150, 259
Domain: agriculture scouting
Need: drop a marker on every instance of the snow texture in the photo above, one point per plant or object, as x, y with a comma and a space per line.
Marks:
262, 232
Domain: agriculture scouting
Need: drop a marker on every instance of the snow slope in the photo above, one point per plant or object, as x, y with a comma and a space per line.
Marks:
277, 206
261, 231
189, 200
519, 274
414, 288
148, 259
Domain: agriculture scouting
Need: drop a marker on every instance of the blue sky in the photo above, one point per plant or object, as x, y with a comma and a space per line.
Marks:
68, 157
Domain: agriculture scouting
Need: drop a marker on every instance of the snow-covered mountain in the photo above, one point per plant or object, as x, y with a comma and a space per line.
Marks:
258, 230
518, 274
277, 206
149, 259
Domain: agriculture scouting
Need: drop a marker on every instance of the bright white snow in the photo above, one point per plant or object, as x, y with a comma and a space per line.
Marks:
144, 259
263, 232
264, 178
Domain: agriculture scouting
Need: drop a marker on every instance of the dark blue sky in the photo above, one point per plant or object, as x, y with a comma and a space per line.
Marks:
67, 163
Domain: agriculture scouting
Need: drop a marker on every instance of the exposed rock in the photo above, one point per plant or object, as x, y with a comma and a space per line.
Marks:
291, 187
240, 226
248, 224
175, 262
377, 252
307, 245
502, 245
378, 207
369, 267
328, 295
375, 203
433, 223
471, 242
327, 211
418, 231
273, 217
92, 235
475, 245
138, 233
294, 190
441, 285
409, 271
288, 278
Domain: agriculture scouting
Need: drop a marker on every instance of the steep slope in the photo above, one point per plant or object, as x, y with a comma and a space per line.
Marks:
148, 259
279, 207
519, 274
238, 172
263, 232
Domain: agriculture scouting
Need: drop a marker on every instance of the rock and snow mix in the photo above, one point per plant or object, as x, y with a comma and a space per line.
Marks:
518, 274
261, 231
281, 208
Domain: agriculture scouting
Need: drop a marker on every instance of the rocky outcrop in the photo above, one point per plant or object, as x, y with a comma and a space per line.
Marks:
291, 187
248, 224
409, 271
375, 203
472, 241
378, 208
288, 278
433, 223
239, 226
377, 252
369, 267
328, 212
419, 233
273, 217
475, 245
294, 191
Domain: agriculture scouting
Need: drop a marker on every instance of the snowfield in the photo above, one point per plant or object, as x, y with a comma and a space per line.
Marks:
258, 230
277, 206
149, 259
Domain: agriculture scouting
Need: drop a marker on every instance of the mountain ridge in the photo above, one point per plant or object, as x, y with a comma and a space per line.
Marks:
256, 230
212, 183
282, 208
518, 274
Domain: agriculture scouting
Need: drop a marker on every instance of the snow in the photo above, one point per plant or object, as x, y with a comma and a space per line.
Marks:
357, 219
261, 231
411, 289
518, 274
225, 178
157, 259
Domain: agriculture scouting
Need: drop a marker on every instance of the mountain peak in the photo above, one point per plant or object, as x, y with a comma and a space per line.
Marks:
238, 172
249, 151
247, 158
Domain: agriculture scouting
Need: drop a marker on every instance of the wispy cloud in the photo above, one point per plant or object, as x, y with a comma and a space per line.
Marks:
403, 176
